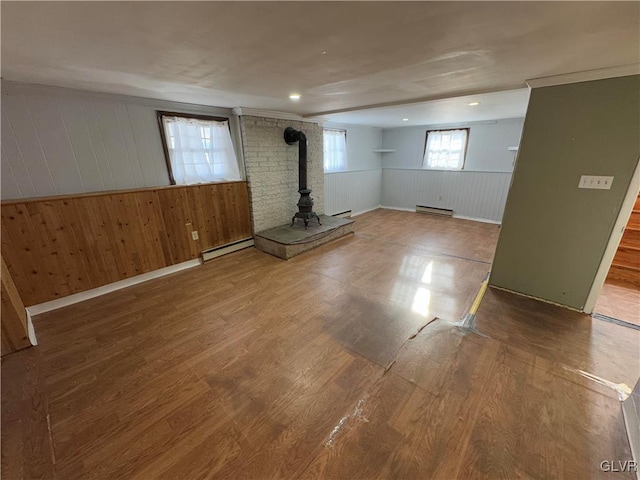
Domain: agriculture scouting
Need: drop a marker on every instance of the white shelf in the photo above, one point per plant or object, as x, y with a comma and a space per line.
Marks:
383, 150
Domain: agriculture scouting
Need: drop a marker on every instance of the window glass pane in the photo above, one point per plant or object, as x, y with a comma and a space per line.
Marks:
445, 149
200, 151
335, 150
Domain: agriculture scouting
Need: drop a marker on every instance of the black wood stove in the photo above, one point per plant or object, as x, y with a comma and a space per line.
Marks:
305, 204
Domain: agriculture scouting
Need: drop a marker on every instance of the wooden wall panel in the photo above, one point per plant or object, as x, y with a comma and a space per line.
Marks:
58, 246
14, 318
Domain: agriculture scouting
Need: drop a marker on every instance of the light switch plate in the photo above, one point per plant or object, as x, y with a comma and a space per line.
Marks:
194, 234
594, 181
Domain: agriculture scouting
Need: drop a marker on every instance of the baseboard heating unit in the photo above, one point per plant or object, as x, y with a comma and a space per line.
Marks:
228, 248
443, 212
345, 214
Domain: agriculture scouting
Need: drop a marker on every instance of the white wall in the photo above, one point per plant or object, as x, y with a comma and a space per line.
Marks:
357, 191
358, 188
361, 143
59, 141
473, 195
486, 152
478, 192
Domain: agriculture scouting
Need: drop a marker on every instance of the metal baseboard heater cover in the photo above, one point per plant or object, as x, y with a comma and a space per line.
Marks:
228, 248
345, 214
443, 212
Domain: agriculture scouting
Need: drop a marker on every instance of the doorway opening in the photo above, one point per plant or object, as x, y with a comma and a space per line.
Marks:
620, 294
615, 294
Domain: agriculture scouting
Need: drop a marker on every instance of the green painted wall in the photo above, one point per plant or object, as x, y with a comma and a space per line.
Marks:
553, 234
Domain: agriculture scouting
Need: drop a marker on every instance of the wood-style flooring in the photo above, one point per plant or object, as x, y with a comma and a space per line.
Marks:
619, 302
345, 362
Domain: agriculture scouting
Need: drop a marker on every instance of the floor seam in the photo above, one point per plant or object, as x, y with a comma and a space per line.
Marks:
419, 248
356, 412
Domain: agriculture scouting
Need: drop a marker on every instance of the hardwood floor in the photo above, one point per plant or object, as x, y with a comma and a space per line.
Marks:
345, 362
25, 442
620, 302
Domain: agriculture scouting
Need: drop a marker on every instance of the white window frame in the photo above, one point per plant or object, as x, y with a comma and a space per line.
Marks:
335, 161
438, 157
210, 162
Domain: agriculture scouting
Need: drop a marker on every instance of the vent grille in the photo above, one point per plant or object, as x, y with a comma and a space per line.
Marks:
224, 249
443, 212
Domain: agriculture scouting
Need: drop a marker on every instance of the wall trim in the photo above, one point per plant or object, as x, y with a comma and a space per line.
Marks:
585, 76
461, 217
398, 208
259, 112
111, 287
614, 240
30, 330
102, 193
535, 298
632, 422
477, 219
355, 214
510, 172
354, 171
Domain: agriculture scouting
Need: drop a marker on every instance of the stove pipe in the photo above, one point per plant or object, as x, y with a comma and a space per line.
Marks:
305, 204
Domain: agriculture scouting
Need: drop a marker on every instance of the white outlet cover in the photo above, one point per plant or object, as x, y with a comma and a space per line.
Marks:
597, 182
194, 235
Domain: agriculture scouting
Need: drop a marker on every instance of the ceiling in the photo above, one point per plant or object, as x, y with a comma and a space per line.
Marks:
464, 109
338, 55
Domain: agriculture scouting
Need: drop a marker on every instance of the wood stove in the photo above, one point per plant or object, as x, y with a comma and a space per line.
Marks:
305, 204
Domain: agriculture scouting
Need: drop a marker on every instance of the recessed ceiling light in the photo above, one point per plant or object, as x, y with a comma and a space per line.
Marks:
323, 53
405, 119
473, 104
294, 96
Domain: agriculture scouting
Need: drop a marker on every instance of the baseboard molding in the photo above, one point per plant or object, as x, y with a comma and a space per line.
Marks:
461, 217
476, 219
234, 247
632, 422
360, 212
34, 310
398, 208
30, 330
535, 298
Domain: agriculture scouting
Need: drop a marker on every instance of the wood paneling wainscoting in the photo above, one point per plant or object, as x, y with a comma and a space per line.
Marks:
14, 330
58, 246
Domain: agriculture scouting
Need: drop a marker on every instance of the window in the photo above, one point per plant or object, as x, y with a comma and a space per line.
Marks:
198, 149
445, 149
335, 150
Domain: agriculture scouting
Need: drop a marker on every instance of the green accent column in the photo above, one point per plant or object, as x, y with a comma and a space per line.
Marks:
554, 234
